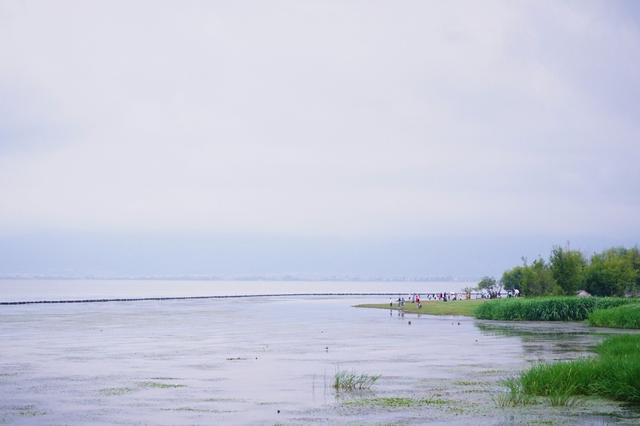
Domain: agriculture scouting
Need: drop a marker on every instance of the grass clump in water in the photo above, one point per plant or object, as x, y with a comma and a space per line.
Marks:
515, 395
563, 397
625, 316
350, 381
565, 308
614, 374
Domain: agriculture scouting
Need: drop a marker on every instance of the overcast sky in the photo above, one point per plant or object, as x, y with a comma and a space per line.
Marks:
327, 120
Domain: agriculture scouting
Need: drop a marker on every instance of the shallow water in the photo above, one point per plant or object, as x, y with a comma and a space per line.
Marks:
242, 361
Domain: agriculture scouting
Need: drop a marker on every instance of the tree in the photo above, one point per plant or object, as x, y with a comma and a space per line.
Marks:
537, 280
567, 268
512, 279
633, 256
468, 291
491, 286
611, 273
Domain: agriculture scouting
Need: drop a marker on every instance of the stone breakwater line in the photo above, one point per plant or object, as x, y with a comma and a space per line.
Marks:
233, 296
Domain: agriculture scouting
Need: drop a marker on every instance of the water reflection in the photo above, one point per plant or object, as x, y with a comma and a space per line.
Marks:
549, 341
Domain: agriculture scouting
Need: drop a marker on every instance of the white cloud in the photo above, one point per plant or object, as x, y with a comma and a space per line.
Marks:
350, 118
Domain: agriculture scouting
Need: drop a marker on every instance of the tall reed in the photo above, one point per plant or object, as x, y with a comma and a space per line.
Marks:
564, 308
614, 374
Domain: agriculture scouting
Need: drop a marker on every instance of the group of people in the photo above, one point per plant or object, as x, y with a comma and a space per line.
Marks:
445, 297
415, 298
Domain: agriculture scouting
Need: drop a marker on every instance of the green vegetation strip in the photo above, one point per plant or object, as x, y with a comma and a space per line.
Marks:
457, 307
561, 308
614, 374
626, 316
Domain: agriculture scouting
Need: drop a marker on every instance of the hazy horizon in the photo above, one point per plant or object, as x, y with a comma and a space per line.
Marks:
373, 139
107, 256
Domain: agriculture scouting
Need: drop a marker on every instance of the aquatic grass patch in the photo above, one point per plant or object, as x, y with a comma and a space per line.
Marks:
396, 402
29, 411
625, 316
614, 374
350, 381
470, 383
491, 372
158, 385
116, 391
563, 308
191, 409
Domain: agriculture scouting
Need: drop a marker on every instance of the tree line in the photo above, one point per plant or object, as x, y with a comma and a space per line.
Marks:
612, 272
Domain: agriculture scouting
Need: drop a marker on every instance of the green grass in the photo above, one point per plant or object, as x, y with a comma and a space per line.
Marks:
565, 308
614, 374
626, 316
456, 307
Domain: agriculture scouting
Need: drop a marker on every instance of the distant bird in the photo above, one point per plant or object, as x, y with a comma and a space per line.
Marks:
409, 322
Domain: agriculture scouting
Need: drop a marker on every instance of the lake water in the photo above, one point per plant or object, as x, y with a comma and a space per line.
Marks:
267, 360
25, 290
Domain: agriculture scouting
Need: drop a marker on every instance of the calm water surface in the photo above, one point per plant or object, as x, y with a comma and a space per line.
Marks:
24, 290
272, 360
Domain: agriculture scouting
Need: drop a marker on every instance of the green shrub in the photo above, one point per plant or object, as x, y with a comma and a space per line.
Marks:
563, 308
627, 316
614, 374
